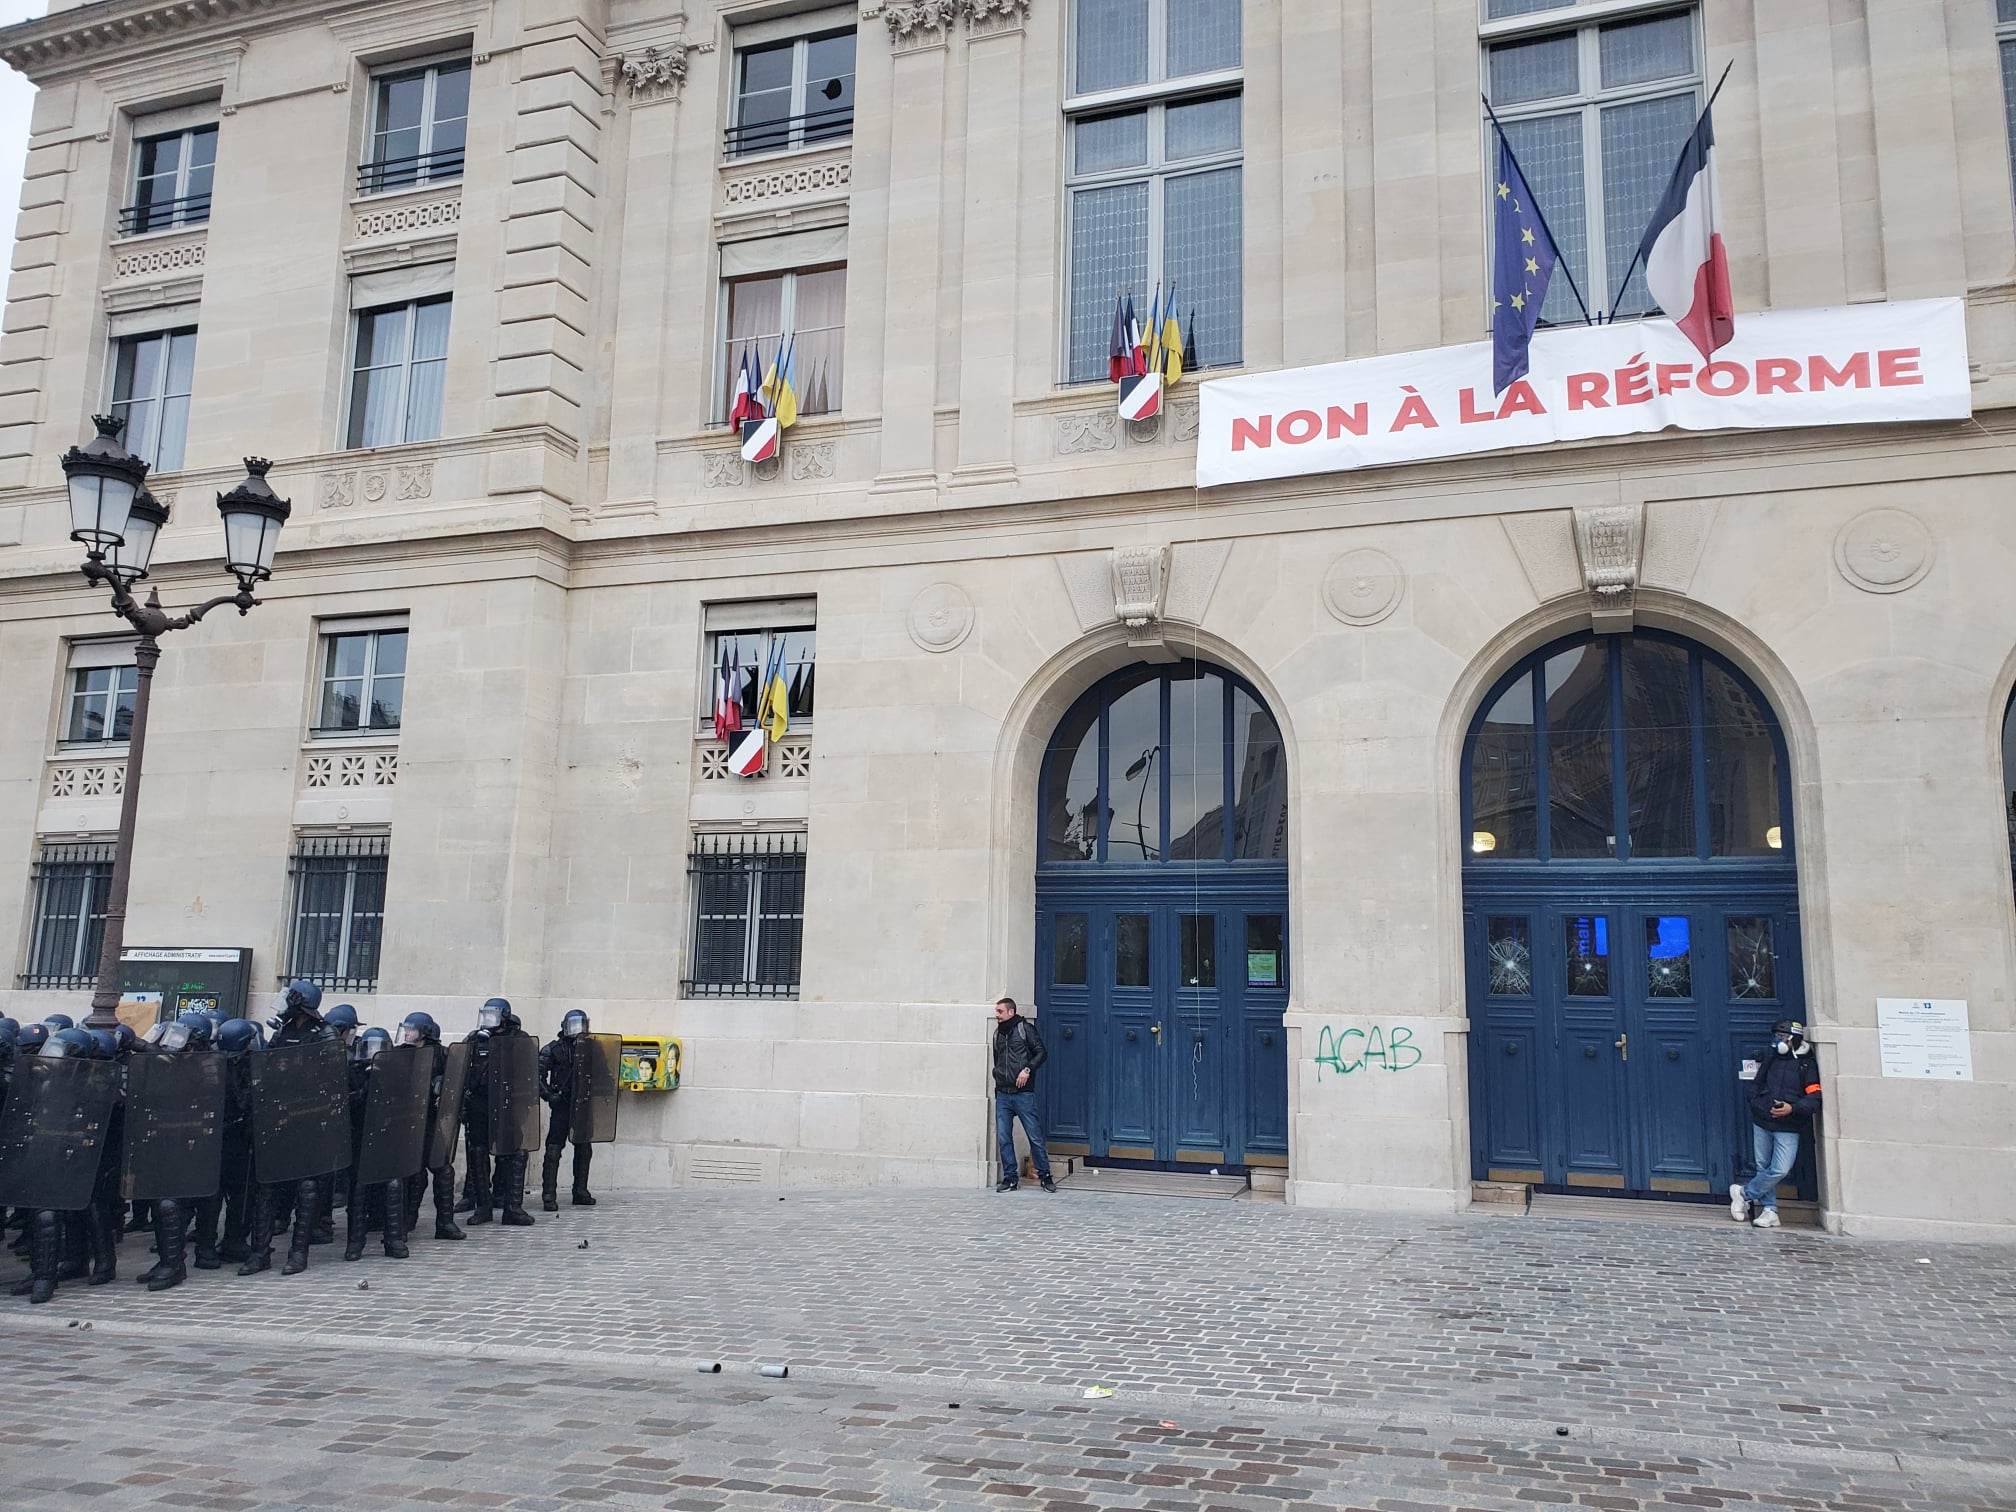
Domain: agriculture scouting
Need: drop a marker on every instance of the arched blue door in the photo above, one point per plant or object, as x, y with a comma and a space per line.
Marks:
1631, 915
1162, 923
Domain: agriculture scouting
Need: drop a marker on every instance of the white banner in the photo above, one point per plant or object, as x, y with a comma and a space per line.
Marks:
1857, 365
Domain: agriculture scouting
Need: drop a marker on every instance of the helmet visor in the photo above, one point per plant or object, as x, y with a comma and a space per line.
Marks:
175, 1037
488, 1017
409, 1034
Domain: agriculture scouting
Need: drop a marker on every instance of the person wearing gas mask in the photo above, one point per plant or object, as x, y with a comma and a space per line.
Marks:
1783, 1101
421, 1030
556, 1090
383, 1205
299, 1022
503, 1187
188, 1034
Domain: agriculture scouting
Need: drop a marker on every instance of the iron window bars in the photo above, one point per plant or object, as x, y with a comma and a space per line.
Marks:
70, 883
748, 894
338, 918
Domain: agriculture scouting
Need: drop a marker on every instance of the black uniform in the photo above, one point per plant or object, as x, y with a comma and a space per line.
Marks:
443, 1176
382, 1206
305, 1194
556, 1089
223, 1221
505, 1186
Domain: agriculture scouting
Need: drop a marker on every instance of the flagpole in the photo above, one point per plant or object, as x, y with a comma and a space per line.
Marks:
1560, 261
1640, 253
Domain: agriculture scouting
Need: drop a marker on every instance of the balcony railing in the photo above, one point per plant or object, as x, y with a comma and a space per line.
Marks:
164, 215
410, 172
807, 130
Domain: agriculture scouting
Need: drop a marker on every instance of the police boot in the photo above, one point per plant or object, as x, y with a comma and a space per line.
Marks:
353, 1232
412, 1191
395, 1220
323, 1229
170, 1234
307, 1216
480, 1195
467, 1202
445, 1226
583, 1154
101, 1242
164, 1214
511, 1182
76, 1259
45, 1253
549, 1180
203, 1235
238, 1205
143, 1217
259, 1238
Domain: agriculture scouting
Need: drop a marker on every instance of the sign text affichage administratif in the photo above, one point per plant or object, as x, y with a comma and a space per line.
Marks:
1859, 364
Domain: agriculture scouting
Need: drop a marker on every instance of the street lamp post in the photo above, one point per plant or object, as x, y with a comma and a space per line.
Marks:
118, 522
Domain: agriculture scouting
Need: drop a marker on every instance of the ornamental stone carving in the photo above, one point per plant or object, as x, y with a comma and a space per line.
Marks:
812, 461
985, 17
338, 490
722, 469
374, 487
1609, 542
1363, 586
1884, 551
1183, 420
920, 23
655, 73
777, 183
150, 260
429, 216
941, 617
1137, 585
1089, 431
415, 481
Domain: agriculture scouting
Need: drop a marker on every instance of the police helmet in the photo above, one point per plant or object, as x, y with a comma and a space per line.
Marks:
238, 1034
10, 1032
55, 1021
370, 1043
306, 998
574, 1024
124, 1038
495, 1014
32, 1038
342, 1016
104, 1043
154, 1033
189, 1031
419, 1029
75, 1044
1789, 1032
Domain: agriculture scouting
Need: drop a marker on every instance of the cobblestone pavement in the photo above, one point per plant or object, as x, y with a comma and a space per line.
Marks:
1338, 1359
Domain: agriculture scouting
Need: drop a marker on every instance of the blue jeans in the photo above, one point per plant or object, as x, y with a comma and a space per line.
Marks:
1774, 1154
1009, 1106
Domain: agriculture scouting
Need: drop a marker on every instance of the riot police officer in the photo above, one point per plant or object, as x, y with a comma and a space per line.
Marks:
222, 1221
90, 1219
300, 1023
496, 1026
188, 1034
341, 1021
556, 1089
384, 1204
420, 1029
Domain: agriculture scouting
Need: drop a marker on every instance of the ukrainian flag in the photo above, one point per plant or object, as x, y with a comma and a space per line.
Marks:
773, 708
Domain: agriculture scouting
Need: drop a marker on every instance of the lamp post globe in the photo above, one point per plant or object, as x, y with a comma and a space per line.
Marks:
127, 561
253, 515
103, 479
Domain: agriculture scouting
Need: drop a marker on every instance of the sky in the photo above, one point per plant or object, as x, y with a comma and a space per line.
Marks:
17, 98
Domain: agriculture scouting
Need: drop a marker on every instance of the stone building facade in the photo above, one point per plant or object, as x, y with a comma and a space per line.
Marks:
477, 274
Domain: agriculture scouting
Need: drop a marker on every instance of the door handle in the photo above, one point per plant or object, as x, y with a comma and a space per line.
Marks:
1624, 1046
1156, 1030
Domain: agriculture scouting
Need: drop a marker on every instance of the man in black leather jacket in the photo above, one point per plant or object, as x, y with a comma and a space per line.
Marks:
1018, 1055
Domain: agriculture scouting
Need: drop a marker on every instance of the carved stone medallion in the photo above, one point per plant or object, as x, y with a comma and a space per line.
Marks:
1363, 586
941, 617
1884, 551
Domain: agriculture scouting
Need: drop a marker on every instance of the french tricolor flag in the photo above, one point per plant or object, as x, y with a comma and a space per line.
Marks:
1686, 268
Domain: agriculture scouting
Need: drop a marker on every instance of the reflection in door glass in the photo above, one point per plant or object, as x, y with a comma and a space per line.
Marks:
1197, 767
1263, 950
1134, 775
1586, 946
1753, 963
1200, 949
1508, 949
1070, 950
1130, 950
1579, 819
1669, 970
1658, 750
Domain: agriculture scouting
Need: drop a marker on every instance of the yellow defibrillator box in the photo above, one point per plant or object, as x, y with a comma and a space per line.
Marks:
650, 1063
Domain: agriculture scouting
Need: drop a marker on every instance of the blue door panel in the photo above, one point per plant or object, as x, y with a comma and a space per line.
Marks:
1266, 1076
1511, 1076
1066, 1079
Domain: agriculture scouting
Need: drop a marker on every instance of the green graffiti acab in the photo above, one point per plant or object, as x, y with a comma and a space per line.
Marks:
1348, 1050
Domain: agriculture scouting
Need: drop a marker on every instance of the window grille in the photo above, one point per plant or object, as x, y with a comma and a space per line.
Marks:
70, 883
339, 910
748, 895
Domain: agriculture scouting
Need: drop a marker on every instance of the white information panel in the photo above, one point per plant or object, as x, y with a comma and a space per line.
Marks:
1924, 1037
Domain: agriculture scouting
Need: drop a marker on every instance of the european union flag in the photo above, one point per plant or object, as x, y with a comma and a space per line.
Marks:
1523, 263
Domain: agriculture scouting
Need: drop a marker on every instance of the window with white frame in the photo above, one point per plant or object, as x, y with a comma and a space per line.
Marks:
338, 922
784, 647
70, 884
362, 688
419, 126
99, 690
795, 92
1153, 173
748, 893
400, 360
2005, 38
152, 376
171, 180
800, 313
1596, 112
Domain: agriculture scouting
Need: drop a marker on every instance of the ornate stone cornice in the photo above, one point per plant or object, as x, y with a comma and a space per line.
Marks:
70, 36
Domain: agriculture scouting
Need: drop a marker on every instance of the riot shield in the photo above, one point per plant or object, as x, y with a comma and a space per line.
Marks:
395, 1116
300, 1111
447, 1127
597, 1059
514, 1094
174, 1125
54, 1129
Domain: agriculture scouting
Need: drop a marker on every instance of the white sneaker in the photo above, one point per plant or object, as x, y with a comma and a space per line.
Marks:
1766, 1219
1739, 1205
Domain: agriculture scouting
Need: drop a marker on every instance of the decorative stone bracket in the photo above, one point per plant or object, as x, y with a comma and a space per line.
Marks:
1144, 588
1610, 542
